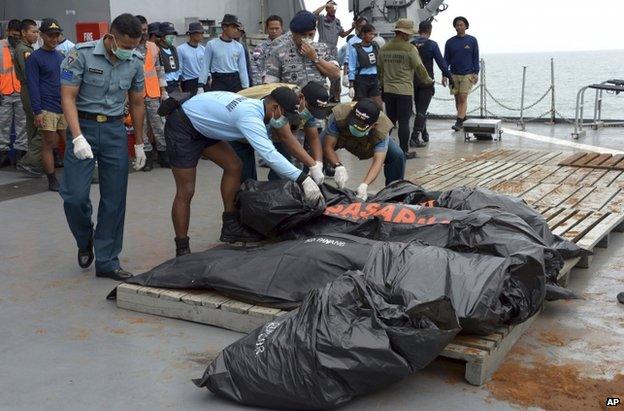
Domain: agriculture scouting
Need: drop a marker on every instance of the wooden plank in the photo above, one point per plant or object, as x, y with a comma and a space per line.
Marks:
477, 372
615, 204
595, 175
538, 173
560, 218
504, 155
460, 352
602, 229
578, 197
535, 157
555, 160
548, 157
598, 198
572, 158
558, 176
599, 160
514, 188
608, 178
570, 223
426, 179
486, 155
618, 181
475, 342
557, 195
551, 213
578, 176
515, 173
538, 192
582, 162
449, 184
616, 158
496, 168
584, 226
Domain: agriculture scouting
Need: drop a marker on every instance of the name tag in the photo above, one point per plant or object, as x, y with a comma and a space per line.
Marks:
95, 70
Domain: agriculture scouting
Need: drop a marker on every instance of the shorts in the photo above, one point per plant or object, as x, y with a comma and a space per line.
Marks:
366, 86
463, 85
53, 121
184, 144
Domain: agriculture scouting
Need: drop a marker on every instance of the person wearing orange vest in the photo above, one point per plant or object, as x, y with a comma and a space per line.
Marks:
155, 84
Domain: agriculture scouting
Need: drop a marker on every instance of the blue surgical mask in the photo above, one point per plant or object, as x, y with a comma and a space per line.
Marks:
358, 133
278, 122
305, 115
121, 54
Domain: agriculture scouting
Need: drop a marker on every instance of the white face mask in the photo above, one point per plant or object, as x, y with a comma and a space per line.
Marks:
307, 40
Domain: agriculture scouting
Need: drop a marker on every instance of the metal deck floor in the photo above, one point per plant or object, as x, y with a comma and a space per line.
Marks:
63, 346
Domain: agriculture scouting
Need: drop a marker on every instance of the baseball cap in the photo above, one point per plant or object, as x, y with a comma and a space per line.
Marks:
405, 26
153, 28
195, 27
289, 102
50, 26
317, 99
364, 114
165, 28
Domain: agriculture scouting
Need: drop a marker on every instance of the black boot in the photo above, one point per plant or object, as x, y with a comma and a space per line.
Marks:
85, 256
163, 159
233, 231
458, 124
149, 161
182, 246
53, 184
4, 158
58, 160
415, 140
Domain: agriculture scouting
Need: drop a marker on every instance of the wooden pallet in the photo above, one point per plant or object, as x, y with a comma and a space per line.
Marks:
584, 206
595, 160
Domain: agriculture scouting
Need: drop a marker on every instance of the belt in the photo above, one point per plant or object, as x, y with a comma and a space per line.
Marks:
235, 74
100, 118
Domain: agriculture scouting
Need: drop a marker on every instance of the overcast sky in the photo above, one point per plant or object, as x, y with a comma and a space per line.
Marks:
512, 26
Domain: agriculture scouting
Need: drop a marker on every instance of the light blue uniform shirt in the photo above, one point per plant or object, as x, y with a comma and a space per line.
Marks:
191, 60
65, 47
354, 40
224, 57
222, 115
103, 85
173, 75
353, 62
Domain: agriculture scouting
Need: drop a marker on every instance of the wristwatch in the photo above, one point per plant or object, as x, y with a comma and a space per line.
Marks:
316, 60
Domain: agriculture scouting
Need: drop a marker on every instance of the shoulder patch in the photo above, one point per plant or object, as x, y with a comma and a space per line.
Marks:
27, 54
67, 75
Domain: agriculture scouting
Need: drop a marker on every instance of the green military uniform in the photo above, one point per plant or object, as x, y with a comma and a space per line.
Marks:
103, 86
398, 63
32, 158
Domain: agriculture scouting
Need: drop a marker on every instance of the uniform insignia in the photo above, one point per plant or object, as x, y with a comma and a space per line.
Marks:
67, 74
96, 71
70, 60
26, 54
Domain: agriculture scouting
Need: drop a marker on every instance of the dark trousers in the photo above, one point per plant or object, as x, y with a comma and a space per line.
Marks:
366, 86
246, 153
226, 82
399, 110
109, 143
190, 86
172, 86
422, 98
394, 165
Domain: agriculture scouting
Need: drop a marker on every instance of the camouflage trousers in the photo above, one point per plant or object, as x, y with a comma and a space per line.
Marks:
12, 113
155, 123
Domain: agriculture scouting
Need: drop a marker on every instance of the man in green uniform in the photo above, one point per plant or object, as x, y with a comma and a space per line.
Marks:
398, 63
97, 78
30, 163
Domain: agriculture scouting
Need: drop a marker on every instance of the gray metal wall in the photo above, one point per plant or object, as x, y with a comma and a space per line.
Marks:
62, 10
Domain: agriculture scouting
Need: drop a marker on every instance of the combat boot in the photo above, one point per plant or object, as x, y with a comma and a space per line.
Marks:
233, 231
149, 161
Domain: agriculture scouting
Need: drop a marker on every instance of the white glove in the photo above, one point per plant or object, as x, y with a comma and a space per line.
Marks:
316, 172
164, 96
362, 194
341, 176
82, 149
139, 156
345, 80
351, 92
200, 90
311, 191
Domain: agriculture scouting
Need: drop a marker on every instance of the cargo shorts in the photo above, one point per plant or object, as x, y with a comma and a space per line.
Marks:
53, 121
463, 83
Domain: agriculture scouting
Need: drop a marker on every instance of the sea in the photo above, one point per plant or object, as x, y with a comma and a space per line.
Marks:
572, 71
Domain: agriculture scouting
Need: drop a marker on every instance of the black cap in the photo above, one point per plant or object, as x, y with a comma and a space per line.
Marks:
289, 102
50, 26
317, 99
165, 28
153, 28
364, 114
195, 27
231, 19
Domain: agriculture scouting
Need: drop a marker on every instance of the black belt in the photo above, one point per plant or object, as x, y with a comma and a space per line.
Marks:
100, 118
235, 74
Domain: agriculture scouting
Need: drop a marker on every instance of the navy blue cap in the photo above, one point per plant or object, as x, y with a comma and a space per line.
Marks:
303, 21
195, 27
165, 28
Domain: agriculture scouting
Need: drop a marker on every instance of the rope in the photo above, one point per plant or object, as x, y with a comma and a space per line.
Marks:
562, 117
517, 109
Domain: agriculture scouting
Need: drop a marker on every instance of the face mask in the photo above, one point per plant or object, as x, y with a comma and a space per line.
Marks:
307, 40
169, 39
357, 133
121, 54
279, 122
305, 115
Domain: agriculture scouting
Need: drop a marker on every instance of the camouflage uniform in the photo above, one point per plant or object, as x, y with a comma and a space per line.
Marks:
33, 135
258, 61
286, 65
12, 113
152, 120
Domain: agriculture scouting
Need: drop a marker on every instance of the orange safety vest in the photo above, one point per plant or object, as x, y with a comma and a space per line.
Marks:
9, 84
152, 85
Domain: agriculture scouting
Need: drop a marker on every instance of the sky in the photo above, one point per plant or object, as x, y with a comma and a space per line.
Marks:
524, 26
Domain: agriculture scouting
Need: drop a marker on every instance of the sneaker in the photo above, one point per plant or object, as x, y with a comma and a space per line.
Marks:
458, 124
233, 231
29, 171
85, 257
